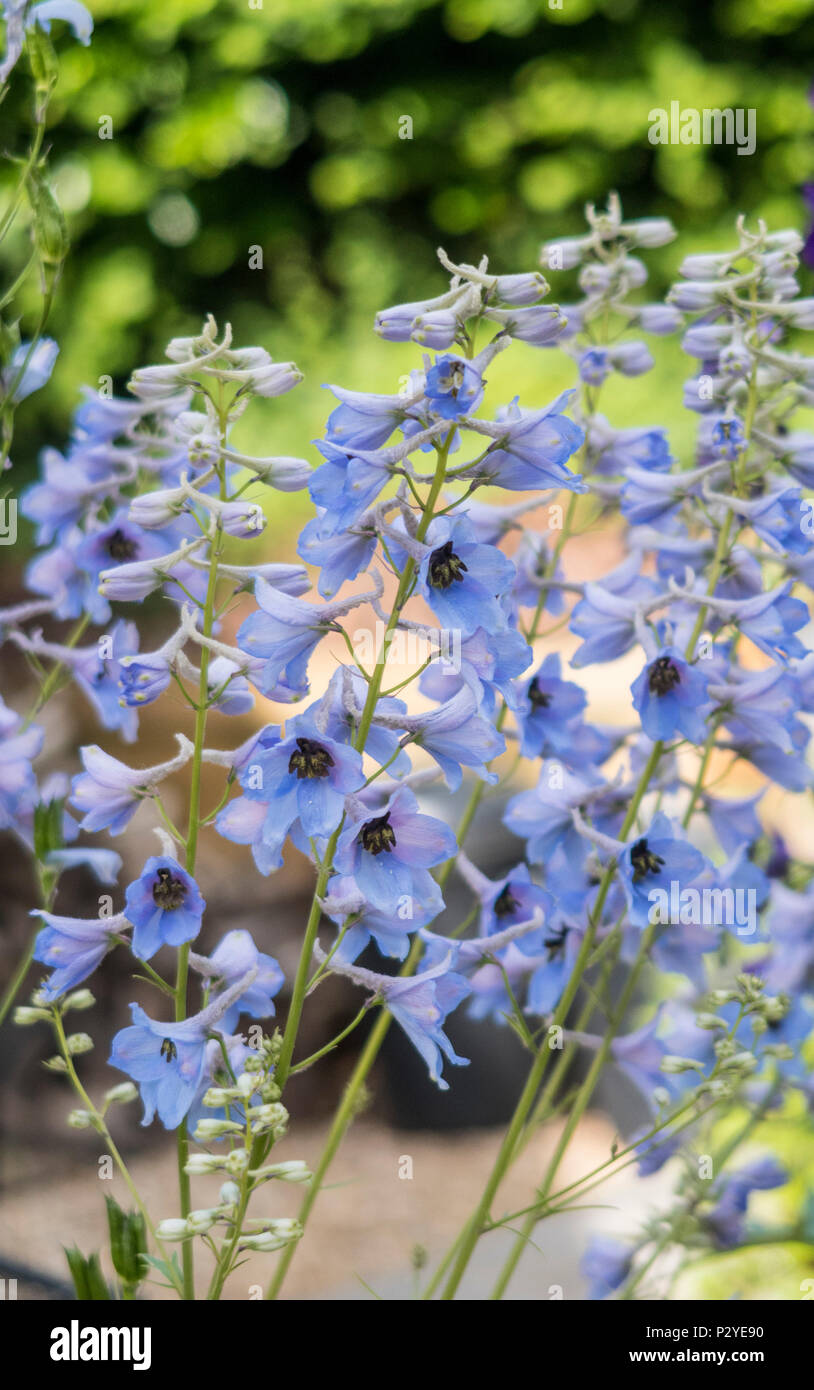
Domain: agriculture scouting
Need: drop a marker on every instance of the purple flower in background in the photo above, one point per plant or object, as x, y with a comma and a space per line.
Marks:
17, 749
606, 1265
727, 1219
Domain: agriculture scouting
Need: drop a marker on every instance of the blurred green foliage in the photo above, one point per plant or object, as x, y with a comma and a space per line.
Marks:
238, 123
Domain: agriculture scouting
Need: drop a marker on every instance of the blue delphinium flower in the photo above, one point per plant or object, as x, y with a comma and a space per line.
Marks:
605, 618
360, 923
542, 815
547, 711
530, 448
73, 947
170, 1061
419, 1004
306, 776
456, 736
655, 861
670, 696
37, 369
236, 958
461, 580
164, 906
109, 792
390, 849
454, 387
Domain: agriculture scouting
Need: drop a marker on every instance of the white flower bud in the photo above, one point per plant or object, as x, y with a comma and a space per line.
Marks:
230, 1194
237, 1161
78, 1043
80, 999
215, 1129
25, 1015
80, 1119
295, 1170
710, 1021
201, 1221
197, 1165
121, 1094
174, 1228
675, 1065
277, 1234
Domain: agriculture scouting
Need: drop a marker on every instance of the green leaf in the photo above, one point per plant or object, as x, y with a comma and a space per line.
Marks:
88, 1279
48, 827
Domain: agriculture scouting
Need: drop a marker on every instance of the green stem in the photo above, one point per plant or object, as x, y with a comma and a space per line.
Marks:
51, 681
193, 825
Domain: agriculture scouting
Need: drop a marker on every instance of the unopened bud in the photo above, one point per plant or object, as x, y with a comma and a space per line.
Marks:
675, 1065
215, 1129
201, 1221
80, 999
121, 1094
710, 1021
174, 1228
80, 1119
25, 1015
199, 1164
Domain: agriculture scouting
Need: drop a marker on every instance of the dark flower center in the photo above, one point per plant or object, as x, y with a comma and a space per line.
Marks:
664, 676
377, 835
168, 892
168, 1050
120, 547
310, 759
555, 941
445, 567
644, 861
538, 697
506, 903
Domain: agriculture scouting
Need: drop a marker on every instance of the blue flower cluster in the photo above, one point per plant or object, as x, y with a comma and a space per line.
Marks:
625, 848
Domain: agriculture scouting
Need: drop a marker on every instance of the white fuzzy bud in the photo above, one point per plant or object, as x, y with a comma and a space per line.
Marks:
80, 999
121, 1094
174, 1228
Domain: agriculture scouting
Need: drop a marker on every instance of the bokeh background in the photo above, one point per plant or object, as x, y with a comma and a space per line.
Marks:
279, 127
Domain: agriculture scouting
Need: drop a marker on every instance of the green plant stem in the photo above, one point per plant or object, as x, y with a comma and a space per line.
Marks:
51, 681
476, 1222
102, 1128
193, 826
